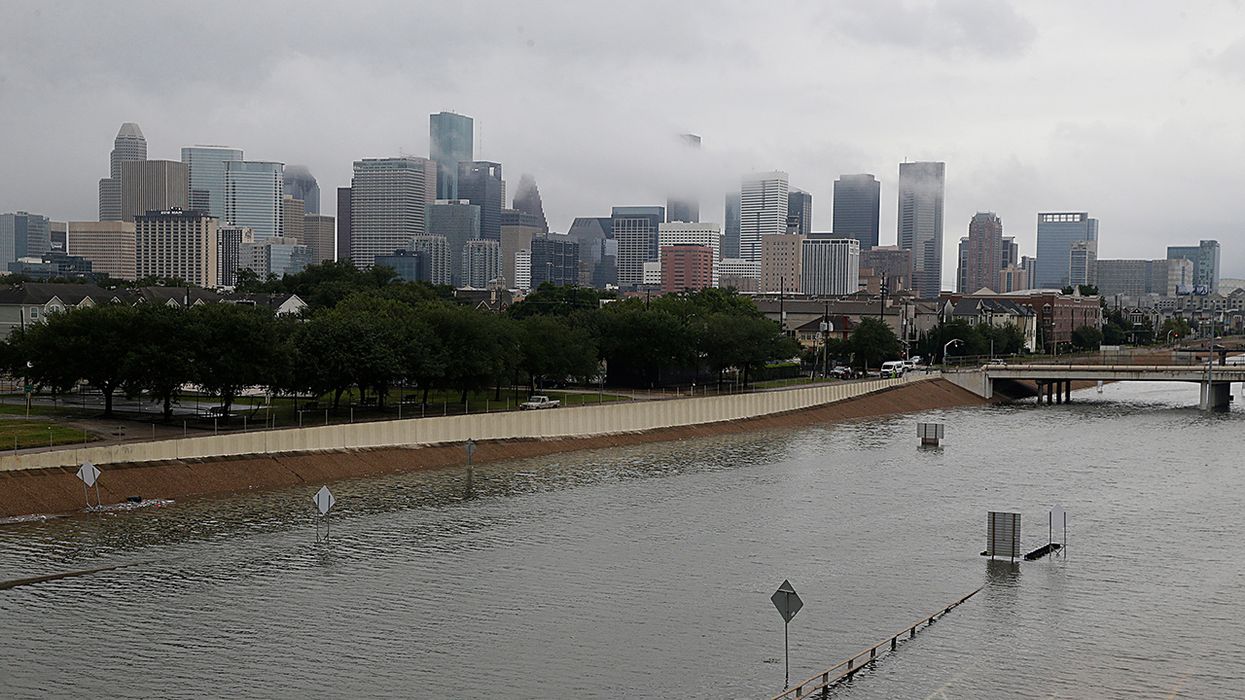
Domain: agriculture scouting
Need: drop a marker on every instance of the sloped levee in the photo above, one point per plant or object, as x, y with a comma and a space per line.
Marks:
56, 489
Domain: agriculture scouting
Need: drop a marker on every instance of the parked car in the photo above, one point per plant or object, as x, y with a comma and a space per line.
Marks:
842, 372
536, 402
892, 369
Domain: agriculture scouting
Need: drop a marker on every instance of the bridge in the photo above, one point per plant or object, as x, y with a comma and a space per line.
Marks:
1055, 380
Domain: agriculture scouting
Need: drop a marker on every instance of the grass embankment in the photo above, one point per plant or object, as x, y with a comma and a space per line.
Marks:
21, 434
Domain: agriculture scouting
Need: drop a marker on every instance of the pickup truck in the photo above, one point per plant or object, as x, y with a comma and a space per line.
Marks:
535, 402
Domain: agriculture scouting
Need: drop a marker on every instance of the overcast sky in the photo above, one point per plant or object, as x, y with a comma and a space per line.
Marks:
1133, 111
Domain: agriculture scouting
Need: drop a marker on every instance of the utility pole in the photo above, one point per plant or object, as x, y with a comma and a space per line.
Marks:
882, 309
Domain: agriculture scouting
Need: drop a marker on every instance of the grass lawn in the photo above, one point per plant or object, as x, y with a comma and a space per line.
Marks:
36, 434
792, 381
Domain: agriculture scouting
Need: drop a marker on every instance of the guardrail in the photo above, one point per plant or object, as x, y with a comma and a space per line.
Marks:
844, 670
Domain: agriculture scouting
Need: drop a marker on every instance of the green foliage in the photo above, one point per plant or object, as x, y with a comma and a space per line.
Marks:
1174, 329
873, 342
1086, 338
234, 346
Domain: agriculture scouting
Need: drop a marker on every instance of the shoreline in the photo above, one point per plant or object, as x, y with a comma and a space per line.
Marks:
54, 491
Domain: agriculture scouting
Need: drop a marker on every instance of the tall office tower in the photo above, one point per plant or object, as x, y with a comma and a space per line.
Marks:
598, 251
206, 169
343, 224
129, 145
1173, 278
274, 256
857, 203
986, 252
514, 217
635, 232
892, 262
1011, 252
1013, 279
681, 206
961, 268
177, 244
739, 274
407, 265
458, 221
293, 218
58, 234
451, 142
109, 245
782, 263
686, 267
318, 237
730, 235
523, 270
436, 258
480, 183
515, 237
1056, 231
1083, 263
481, 263
1205, 259
389, 200
762, 210
23, 235
799, 212
229, 242
254, 196
921, 190
527, 201
555, 259
299, 183
678, 233
152, 185
830, 266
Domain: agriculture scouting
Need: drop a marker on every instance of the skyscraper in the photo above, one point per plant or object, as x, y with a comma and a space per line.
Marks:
343, 223
527, 201
205, 166
109, 245
730, 234
435, 262
830, 266
782, 261
799, 212
229, 242
555, 259
458, 221
301, 184
857, 203
318, 236
152, 185
451, 142
1083, 263
389, 198
177, 244
678, 233
254, 195
480, 183
681, 206
762, 210
984, 254
129, 145
1205, 259
598, 251
686, 267
635, 231
1056, 231
293, 218
922, 187
23, 235
481, 263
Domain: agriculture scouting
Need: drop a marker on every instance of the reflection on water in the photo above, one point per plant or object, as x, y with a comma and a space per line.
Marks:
646, 571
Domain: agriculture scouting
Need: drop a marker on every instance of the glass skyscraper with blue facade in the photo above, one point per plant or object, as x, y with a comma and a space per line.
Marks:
1056, 232
206, 167
451, 142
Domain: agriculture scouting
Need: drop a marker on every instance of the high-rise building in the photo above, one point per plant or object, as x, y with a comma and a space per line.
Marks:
407, 265
458, 221
23, 235
481, 263
1137, 278
1083, 263
985, 253
129, 145
922, 187
743, 276
205, 167
523, 270
799, 213
273, 256
229, 241
555, 259
635, 230
682, 206
318, 237
436, 259
514, 217
59, 234
686, 267
1013, 279
1011, 252
678, 233
831, 266
527, 201
890, 262
152, 185
480, 183
389, 198
299, 183
1205, 259
730, 235
857, 204
343, 223
177, 244
452, 142
782, 263
762, 210
515, 238
254, 196
293, 218
1056, 232
109, 245
961, 268
598, 251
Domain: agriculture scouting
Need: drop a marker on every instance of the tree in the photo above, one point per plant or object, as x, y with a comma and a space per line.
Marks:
873, 341
550, 348
159, 359
1086, 338
234, 346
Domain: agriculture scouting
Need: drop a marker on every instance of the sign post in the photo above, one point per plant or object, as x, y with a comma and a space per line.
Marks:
471, 470
788, 603
1058, 516
89, 474
324, 503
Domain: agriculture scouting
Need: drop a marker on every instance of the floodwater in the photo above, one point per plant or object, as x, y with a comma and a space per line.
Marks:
646, 571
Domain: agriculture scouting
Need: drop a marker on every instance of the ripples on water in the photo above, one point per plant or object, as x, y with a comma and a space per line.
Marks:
646, 571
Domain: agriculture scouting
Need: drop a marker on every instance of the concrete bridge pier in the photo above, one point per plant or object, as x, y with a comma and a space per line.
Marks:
1216, 396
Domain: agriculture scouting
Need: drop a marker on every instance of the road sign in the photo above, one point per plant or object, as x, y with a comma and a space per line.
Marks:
787, 601
471, 450
324, 500
1003, 535
88, 473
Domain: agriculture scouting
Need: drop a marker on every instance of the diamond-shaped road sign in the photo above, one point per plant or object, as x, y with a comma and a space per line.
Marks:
88, 473
324, 500
787, 601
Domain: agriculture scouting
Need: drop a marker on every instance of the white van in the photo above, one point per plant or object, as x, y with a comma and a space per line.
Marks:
892, 368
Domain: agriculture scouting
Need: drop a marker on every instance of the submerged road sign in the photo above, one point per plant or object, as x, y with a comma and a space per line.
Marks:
88, 473
324, 500
787, 601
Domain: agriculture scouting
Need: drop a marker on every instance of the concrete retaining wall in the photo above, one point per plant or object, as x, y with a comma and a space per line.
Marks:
582, 421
